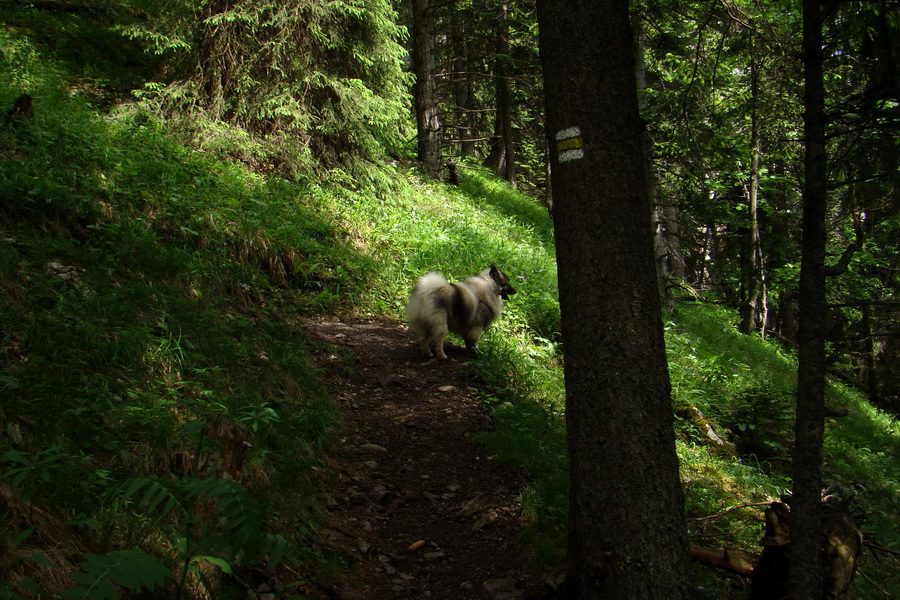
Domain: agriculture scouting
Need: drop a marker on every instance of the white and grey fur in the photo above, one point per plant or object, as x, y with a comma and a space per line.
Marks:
465, 308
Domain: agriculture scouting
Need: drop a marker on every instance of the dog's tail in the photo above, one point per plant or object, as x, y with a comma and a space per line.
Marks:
422, 311
428, 283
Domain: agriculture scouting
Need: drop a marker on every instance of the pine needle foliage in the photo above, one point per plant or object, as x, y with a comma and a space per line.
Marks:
325, 77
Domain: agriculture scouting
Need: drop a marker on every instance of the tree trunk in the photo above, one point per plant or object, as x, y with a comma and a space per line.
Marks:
768, 572
626, 530
502, 154
428, 122
657, 222
672, 232
805, 578
868, 375
215, 59
841, 543
461, 81
754, 286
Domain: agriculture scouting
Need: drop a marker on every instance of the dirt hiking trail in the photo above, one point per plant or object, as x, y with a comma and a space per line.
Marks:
412, 498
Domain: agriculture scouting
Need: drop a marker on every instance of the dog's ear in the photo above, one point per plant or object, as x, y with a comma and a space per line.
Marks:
497, 275
502, 281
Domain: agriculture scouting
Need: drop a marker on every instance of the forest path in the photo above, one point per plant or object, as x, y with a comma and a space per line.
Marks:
412, 497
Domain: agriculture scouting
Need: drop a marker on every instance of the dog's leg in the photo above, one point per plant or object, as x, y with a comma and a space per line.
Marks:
426, 347
439, 346
472, 338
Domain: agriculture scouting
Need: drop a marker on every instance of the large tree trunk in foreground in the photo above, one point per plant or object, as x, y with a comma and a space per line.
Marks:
806, 542
626, 532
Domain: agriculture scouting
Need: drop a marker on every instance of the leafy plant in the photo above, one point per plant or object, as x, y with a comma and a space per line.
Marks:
212, 521
135, 570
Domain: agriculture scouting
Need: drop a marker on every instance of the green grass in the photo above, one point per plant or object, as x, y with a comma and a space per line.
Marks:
741, 385
150, 304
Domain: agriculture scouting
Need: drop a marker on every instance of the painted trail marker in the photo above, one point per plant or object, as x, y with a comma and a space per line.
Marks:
569, 145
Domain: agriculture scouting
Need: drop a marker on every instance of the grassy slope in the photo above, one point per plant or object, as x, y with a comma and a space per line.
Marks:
149, 305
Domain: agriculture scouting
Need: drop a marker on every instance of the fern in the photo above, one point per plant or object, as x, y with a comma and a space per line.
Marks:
132, 569
160, 496
240, 517
242, 520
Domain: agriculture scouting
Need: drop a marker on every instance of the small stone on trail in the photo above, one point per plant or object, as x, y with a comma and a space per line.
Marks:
373, 448
502, 589
416, 546
446, 388
471, 507
386, 565
488, 517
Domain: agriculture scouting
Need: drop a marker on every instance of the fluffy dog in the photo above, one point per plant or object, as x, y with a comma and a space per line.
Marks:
465, 308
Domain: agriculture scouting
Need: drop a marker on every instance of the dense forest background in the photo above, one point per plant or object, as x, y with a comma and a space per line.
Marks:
181, 182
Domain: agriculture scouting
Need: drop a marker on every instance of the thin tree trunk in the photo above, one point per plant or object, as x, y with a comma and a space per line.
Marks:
657, 223
753, 273
672, 232
868, 376
214, 61
805, 578
428, 123
461, 81
502, 154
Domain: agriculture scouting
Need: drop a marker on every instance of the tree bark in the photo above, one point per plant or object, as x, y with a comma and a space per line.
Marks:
626, 531
215, 64
805, 576
754, 284
672, 232
841, 543
462, 71
502, 157
428, 122
868, 372
657, 222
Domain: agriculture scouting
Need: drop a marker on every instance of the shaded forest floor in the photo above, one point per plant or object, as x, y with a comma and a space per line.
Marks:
412, 498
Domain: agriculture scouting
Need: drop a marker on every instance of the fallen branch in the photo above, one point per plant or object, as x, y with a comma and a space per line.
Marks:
728, 510
880, 548
735, 561
873, 584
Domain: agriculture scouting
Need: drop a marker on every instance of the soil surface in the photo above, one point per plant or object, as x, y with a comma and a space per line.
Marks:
413, 500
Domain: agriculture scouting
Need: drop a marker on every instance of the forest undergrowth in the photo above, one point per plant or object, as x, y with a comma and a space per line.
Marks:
161, 427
